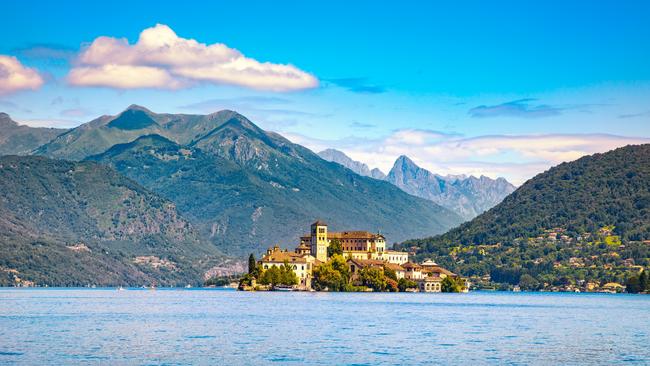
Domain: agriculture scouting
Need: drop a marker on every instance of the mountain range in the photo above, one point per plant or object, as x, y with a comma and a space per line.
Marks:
467, 196
142, 198
243, 188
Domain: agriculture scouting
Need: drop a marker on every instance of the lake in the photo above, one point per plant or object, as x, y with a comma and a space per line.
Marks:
225, 327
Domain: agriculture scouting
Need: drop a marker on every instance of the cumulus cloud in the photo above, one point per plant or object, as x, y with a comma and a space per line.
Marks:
161, 59
522, 108
515, 157
14, 76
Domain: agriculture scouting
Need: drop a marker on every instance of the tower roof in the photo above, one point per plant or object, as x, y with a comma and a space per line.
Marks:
319, 223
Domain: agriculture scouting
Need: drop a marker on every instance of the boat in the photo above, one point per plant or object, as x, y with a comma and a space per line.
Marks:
284, 288
120, 288
188, 286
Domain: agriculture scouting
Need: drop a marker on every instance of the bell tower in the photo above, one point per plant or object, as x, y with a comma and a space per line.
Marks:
319, 242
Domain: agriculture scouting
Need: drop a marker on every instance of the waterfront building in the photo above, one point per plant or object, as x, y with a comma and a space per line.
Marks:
355, 244
430, 284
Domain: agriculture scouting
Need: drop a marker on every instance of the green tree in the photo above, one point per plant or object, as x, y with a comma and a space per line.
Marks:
390, 273
252, 264
341, 264
528, 282
333, 275
373, 277
335, 247
287, 275
404, 284
271, 276
632, 285
643, 281
452, 284
326, 277
246, 280
279, 275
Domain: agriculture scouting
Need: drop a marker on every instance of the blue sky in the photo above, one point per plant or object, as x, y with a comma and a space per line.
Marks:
499, 88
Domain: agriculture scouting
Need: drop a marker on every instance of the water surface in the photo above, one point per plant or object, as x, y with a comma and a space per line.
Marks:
105, 326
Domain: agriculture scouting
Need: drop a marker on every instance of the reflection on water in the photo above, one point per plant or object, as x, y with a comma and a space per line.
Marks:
104, 326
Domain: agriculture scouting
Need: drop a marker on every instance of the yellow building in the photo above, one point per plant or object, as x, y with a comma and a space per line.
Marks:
355, 244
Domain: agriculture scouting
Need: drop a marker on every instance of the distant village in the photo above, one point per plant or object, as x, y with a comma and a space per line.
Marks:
346, 261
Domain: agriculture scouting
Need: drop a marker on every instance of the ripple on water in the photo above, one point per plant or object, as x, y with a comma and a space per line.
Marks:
228, 327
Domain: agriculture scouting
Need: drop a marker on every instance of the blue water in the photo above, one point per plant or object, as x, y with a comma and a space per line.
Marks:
220, 327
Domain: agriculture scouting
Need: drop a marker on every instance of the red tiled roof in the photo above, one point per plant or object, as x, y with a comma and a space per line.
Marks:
437, 269
408, 265
363, 263
278, 255
394, 267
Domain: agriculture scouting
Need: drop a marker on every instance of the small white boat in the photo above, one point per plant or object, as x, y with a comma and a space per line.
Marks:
120, 288
284, 288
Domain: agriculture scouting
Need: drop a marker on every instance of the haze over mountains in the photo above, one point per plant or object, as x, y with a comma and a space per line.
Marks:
467, 196
360, 168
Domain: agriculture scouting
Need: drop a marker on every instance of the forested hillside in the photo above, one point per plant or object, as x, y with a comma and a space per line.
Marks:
584, 220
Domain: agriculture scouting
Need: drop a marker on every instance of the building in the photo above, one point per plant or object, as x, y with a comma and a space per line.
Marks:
355, 244
355, 265
412, 271
430, 284
396, 257
302, 264
362, 249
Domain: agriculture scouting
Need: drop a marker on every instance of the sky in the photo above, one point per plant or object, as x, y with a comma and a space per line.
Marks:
503, 88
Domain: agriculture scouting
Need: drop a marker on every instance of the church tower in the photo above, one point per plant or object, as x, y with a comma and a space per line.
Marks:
319, 242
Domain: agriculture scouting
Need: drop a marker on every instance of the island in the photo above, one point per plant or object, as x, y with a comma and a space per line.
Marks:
346, 261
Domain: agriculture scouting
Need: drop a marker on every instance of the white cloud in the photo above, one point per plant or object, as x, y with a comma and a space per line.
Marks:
161, 59
14, 76
515, 157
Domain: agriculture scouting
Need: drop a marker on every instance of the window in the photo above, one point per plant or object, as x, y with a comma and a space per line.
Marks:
266, 266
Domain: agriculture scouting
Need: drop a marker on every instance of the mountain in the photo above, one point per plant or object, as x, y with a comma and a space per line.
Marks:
244, 188
467, 196
102, 133
78, 223
585, 219
17, 139
339, 157
377, 174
